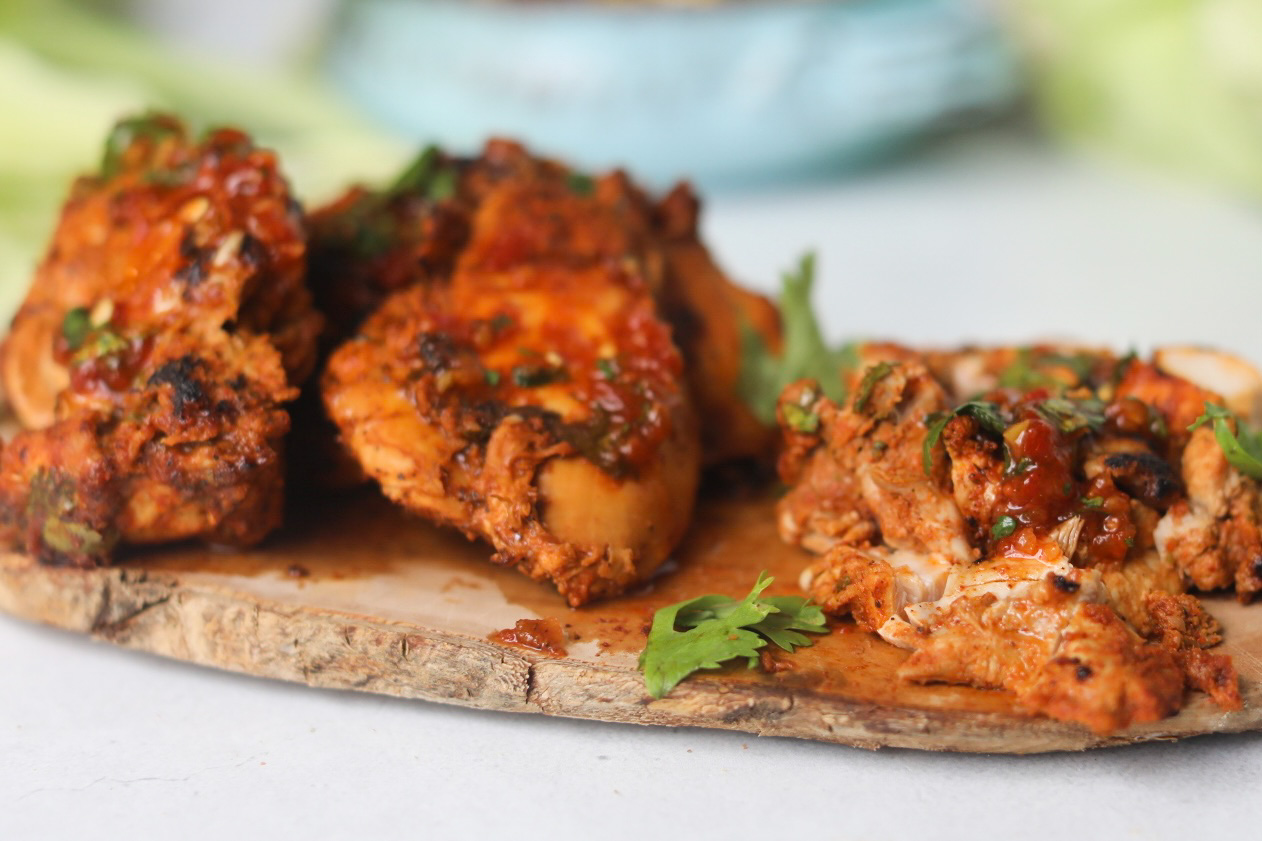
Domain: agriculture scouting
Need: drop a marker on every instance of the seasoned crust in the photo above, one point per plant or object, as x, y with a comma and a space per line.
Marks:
156, 348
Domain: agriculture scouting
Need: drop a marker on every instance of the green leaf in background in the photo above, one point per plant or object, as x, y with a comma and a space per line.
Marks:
67, 75
805, 355
1174, 83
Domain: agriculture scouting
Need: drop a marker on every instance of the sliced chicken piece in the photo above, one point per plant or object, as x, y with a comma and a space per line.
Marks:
1213, 536
1179, 401
976, 468
710, 315
156, 349
873, 584
1239, 382
858, 470
1037, 626
534, 399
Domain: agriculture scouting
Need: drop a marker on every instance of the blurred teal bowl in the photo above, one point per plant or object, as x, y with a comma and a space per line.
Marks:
722, 93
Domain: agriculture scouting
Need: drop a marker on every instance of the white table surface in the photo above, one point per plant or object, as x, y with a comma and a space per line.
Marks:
986, 240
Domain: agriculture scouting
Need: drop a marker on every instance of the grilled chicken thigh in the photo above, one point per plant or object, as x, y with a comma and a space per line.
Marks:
153, 355
533, 396
1037, 537
537, 357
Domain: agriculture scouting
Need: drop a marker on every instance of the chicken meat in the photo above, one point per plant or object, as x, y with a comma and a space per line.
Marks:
533, 396
150, 364
1028, 519
541, 358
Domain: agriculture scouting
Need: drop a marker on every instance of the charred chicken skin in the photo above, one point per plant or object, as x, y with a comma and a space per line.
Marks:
1038, 537
528, 391
151, 360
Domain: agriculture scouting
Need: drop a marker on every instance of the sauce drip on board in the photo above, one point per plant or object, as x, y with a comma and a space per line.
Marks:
361, 553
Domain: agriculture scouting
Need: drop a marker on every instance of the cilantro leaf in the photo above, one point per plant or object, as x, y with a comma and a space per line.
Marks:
988, 415
429, 175
1070, 416
805, 354
874, 375
717, 629
1034, 368
1242, 449
150, 125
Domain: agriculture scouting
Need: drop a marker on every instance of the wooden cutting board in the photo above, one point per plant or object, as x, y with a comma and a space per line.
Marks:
356, 595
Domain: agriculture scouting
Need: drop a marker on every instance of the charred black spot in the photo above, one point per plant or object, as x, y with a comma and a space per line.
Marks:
238, 382
189, 249
1064, 584
181, 375
437, 350
252, 251
193, 272
1146, 477
1083, 673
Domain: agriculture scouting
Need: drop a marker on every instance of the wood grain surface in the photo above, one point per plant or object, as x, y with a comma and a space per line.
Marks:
355, 595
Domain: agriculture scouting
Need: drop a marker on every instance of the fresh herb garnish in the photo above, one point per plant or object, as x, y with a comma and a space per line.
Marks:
1003, 527
1093, 502
608, 366
988, 415
871, 377
706, 632
1242, 448
533, 376
800, 419
75, 327
1036, 369
492, 377
1070, 416
805, 354
580, 184
428, 175
1019, 467
127, 131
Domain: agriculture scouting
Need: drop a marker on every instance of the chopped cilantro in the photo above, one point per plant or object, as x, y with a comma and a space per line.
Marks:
428, 175
608, 366
1020, 467
75, 327
532, 376
127, 131
1003, 527
1037, 369
1093, 502
805, 354
580, 184
705, 632
1070, 416
988, 415
800, 419
492, 377
871, 377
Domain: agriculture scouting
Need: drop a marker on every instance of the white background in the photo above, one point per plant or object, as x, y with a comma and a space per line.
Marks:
988, 241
